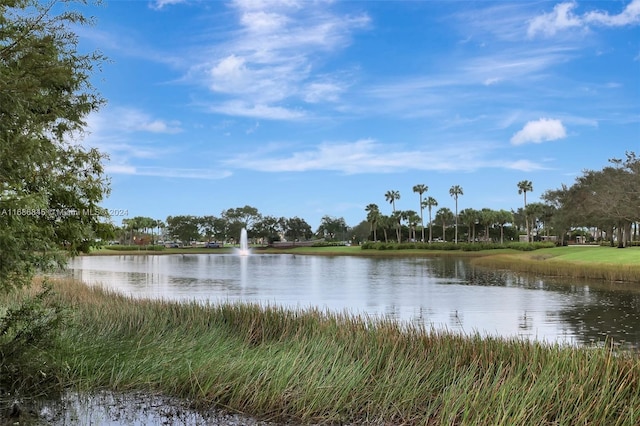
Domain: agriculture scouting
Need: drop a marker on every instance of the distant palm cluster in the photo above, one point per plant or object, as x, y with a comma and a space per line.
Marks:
600, 205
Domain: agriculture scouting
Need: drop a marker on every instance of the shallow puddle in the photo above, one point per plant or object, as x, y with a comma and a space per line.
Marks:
129, 409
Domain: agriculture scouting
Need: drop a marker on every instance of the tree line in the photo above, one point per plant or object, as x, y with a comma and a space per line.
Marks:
603, 204
606, 200
227, 228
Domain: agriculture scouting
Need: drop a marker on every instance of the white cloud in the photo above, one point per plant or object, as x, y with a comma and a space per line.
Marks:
134, 120
128, 136
524, 166
491, 81
268, 112
322, 91
273, 57
159, 4
119, 169
538, 131
629, 16
263, 22
549, 23
370, 156
167, 172
229, 75
562, 18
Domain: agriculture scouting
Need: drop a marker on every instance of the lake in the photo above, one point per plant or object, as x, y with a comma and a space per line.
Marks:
442, 293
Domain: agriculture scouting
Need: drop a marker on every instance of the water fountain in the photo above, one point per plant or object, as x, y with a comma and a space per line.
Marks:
244, 244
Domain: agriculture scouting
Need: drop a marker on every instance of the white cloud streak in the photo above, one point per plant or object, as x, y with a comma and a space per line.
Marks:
542, 130
160, 4
370, 156
166, 172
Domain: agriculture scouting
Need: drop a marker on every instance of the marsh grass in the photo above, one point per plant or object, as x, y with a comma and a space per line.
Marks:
316, 367
551, 264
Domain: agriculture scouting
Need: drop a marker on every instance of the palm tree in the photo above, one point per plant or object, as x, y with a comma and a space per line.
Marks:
503, 217
469, 217
127, 225
421, 189
385, 223
412, 219
148, 224
535, 212
444, 216
525, 186
429, 203
455, 191
391, 197
159, 225
487, 219
373, 217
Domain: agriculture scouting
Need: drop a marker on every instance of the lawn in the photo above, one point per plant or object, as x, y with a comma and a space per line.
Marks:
591, 262
595, 254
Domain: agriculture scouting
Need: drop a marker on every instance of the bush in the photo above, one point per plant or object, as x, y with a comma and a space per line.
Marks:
369, 245
329, 244
530, 246
27, 328
134, 247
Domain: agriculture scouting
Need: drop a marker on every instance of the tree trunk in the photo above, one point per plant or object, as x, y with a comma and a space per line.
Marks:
610, 236
627, 234
620, 235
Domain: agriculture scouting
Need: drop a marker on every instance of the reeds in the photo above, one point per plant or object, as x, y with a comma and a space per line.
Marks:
316, 367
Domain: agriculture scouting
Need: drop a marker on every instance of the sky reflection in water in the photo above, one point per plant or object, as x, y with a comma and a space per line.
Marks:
441, 293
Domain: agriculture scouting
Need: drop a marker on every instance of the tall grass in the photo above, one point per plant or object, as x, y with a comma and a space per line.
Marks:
315, 367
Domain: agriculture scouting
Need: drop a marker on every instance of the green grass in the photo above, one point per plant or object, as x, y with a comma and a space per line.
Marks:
590, 262
314, 367
595, 254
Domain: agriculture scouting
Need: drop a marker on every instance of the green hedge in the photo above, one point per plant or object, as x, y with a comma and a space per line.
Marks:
134, 247
607, 243
369, 245
329, 244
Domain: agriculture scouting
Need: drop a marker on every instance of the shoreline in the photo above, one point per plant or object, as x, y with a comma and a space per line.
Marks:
619, 265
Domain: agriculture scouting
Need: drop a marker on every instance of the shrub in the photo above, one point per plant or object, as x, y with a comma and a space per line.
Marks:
27, 329
134, 247
369, 245
329, 244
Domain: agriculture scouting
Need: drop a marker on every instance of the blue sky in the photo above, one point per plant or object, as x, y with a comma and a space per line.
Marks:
313, 108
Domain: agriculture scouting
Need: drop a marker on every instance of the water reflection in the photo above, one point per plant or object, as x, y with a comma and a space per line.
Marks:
442, 293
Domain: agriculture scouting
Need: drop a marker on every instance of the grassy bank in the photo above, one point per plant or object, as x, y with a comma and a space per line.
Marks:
591, 262
314, 367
